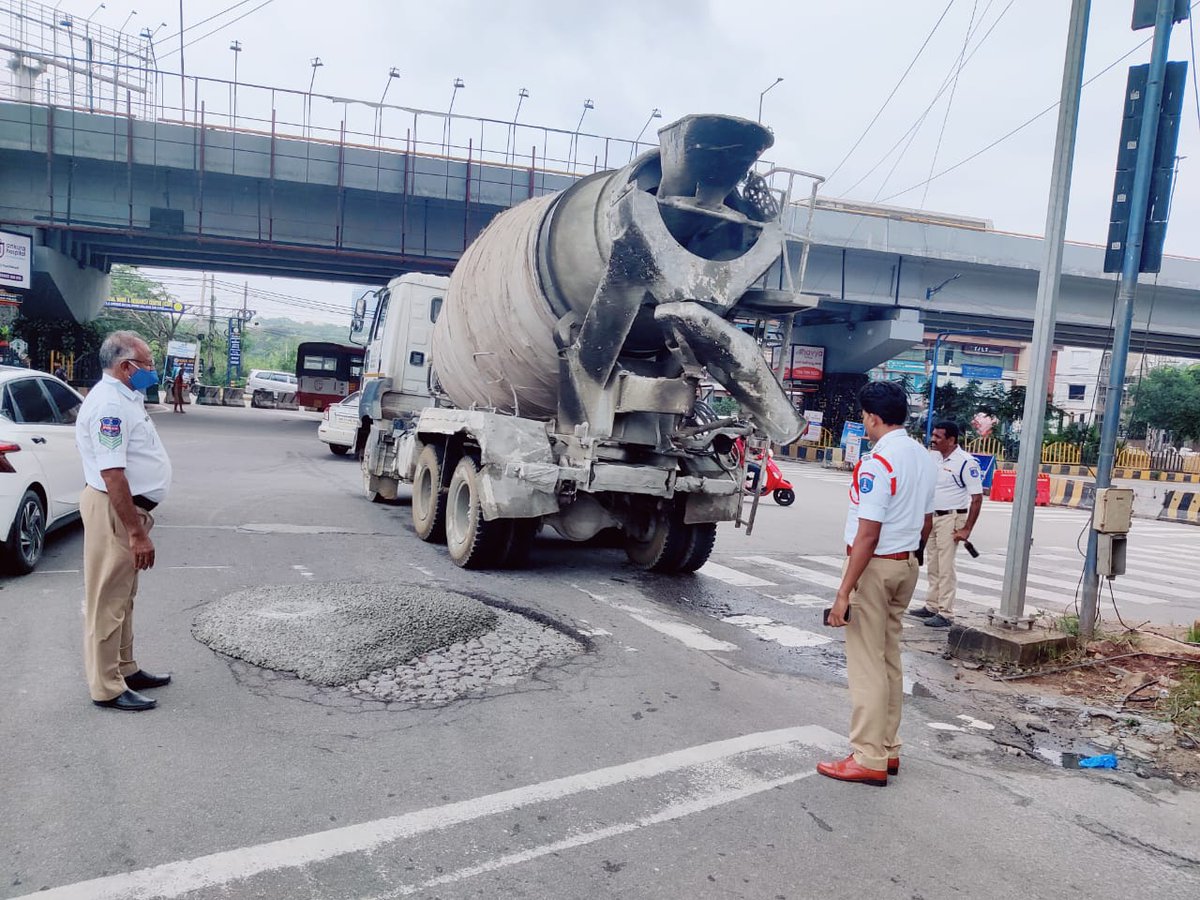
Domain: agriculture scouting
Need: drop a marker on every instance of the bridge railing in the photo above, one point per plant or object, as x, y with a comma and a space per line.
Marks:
119, 87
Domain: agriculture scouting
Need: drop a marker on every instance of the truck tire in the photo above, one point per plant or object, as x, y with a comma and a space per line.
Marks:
667, 547
428, 498
339, 449
704, 537
473, 541
518, 543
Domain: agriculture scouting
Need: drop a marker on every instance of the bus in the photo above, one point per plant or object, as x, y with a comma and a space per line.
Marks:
326, 373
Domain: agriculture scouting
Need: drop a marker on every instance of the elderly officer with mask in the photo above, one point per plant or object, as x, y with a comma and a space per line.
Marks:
128, 474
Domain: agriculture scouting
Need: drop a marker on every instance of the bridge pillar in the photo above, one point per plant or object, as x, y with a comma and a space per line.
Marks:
859, 346
63, 286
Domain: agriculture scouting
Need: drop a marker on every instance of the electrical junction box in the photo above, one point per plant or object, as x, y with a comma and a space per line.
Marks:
1113, 512
1110, 554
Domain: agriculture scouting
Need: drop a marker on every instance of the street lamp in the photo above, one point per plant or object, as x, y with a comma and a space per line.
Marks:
763, 94
316, 63
937, 346
236, 47
458, 83
522, 94
99, 7
655, 113
587, 104
132, 13
393, 73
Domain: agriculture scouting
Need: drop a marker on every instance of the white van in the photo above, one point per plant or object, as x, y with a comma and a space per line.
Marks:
278, 383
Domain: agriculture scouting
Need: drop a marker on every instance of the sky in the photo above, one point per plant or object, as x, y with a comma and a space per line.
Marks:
839, 62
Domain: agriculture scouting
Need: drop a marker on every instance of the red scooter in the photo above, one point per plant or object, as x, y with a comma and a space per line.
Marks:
780, 489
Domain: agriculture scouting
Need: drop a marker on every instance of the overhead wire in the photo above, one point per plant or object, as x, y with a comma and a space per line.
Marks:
205, 21
915, 127
889, 97
219, 28
950, 102
1004, 137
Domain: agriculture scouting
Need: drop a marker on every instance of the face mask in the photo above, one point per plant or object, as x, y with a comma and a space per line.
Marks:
143, 379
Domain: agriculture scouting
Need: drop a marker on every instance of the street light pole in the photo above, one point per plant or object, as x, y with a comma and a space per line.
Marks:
316, 63
587, 104
1123, 319
522, 94
655, 113
933, 377
458, 83
393, 74
763, 94
236, 47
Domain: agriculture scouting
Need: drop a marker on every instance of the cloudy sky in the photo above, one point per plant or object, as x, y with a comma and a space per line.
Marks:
839, 63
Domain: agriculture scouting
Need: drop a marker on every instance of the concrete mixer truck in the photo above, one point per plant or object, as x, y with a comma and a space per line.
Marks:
552, 379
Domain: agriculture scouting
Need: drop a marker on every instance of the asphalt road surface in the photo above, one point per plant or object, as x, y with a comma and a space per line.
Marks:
673, 758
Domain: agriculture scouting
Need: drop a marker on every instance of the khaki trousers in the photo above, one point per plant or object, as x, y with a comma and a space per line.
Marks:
873, 658
109, 585
939, 558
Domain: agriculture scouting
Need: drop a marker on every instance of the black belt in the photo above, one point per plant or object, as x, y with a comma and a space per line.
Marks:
144, 503
946, 512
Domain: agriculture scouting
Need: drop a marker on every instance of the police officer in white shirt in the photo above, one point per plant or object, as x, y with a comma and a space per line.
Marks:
128, 474
889, 517
957, 503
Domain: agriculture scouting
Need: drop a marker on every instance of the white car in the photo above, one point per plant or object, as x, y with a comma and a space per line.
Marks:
41, 476
278, 383
339, 426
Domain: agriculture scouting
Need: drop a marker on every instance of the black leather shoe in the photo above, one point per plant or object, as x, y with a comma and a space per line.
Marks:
937, 622
130, 701
141, 680
921, 612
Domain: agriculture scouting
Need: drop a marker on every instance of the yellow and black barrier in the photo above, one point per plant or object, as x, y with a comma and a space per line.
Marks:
1068, 492
1120, 472
1181, 506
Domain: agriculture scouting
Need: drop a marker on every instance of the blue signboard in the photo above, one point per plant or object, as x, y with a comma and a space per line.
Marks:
983, 373
913, 366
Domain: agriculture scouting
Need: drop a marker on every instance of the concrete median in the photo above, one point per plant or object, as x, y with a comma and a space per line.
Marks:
1181, 506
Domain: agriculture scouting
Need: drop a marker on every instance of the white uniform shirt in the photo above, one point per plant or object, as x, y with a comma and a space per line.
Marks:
114, 431
893, 485
958, 479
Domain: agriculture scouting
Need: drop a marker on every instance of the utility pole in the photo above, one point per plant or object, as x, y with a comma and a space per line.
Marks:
182, 73
1131, 263
212, 324
1020, 534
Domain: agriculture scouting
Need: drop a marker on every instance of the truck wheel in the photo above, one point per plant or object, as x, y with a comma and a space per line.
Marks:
428, 498
27, 537
666, 547
339, 449
518, 543
704, 536
473, 541
784, 496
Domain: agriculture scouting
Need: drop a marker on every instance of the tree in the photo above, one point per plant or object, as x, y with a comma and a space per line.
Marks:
158, 328
1169, 399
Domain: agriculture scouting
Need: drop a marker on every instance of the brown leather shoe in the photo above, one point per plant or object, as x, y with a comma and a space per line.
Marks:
893, 765
849, 770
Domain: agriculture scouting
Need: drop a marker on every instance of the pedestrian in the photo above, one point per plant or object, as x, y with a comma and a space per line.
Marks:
177, 392
888, 520
128, 474
957, 503
60, 373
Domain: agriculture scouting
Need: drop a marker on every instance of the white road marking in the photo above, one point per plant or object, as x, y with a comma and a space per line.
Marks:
733, 576
770, 630
228, 867
802, 572
936, 726
199, 567
55, 572
422, 570
972, 722
303, 571
804, 601
689, 635
1045, 581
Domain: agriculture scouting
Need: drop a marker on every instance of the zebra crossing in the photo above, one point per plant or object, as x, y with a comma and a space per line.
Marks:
1161, 580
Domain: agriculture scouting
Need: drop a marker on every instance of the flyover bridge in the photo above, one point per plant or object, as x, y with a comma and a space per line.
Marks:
390, 189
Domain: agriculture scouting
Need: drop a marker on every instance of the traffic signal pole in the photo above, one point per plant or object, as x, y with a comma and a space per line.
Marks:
1123, 318
1020, 535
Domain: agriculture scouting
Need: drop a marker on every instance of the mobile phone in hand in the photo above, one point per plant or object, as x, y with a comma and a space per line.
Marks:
971, 549
828, 610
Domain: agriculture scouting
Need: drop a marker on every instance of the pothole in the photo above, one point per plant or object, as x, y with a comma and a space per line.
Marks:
392, 642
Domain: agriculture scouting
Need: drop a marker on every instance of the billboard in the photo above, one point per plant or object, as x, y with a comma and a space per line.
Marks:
16, 254
807, 364
146, 304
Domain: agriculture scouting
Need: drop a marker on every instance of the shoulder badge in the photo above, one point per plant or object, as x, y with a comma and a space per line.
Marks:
110, 432
866, 483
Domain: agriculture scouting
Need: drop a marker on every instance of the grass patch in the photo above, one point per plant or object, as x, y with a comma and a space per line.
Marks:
1193, 635
1183, 704
1069, 625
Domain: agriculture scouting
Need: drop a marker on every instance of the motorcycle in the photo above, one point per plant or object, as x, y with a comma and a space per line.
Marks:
780, 489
